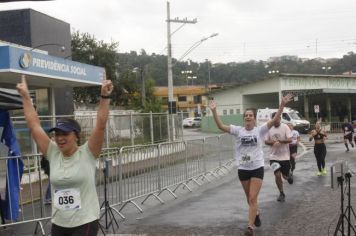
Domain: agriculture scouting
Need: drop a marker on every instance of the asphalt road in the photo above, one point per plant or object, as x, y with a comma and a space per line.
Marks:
220, 208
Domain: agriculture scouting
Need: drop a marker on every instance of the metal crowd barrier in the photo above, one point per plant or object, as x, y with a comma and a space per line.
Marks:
33, 185
130, 174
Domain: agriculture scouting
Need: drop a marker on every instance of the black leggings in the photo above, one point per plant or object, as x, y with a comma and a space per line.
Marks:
320, 153
89, 229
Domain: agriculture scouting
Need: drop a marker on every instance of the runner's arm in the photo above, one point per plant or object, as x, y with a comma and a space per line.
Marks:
218, 121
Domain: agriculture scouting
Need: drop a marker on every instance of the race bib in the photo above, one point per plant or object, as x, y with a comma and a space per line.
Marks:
67, 199
246, 160
275, 166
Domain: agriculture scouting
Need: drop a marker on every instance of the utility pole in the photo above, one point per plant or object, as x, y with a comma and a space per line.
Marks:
171, 103
143, 87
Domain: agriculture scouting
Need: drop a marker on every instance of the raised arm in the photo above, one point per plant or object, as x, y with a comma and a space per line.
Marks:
96, 138
284, 101
31, 116
311, 135
219, 123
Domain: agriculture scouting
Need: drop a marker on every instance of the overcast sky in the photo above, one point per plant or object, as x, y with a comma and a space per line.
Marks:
248, 29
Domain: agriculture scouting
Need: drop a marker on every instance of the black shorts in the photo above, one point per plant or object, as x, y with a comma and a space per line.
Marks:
89, 229
348, 137
285, 166
293, 149
248, 174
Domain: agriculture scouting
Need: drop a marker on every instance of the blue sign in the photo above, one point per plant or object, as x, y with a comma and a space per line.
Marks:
22, 61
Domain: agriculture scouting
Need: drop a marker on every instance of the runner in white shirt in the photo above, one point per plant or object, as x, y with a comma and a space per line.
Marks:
249, 155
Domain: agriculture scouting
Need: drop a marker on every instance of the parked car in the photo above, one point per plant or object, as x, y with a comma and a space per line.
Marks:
192, 122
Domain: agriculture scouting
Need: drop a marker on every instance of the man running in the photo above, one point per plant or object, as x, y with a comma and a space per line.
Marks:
348, 130
279, 137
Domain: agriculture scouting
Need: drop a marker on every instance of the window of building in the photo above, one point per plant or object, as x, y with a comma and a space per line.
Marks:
224, 112
197, 99
231, 111
237, 111
182, 98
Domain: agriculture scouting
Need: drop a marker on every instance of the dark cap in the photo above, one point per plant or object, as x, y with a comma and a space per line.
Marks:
66, 125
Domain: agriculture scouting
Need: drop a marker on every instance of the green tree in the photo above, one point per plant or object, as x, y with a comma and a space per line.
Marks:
87, 49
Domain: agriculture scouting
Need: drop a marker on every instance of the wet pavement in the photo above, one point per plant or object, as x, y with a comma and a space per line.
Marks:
219, 208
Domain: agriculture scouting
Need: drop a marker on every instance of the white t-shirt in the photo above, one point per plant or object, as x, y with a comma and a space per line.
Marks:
249, 153
73, 177
295, 135
279, 152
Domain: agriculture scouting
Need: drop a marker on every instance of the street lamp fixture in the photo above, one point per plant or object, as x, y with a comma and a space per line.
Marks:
196, 44
326, 68
273, 71
61, 46
185, 73
192, 78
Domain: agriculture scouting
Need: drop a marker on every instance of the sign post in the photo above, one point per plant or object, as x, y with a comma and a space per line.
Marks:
316, 110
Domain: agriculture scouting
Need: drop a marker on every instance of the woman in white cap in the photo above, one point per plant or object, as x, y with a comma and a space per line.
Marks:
75, 204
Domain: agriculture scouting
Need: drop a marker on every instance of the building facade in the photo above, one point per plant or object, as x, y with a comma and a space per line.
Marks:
192, 100
329, 98
33, 29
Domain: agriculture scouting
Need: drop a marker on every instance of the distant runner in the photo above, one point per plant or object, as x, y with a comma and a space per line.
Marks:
319, 137
348, 130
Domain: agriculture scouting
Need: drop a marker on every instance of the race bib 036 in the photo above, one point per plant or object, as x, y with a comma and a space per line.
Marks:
67, 199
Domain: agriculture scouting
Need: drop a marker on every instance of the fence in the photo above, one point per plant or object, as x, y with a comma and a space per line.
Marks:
122, 129
131, 173
330, 127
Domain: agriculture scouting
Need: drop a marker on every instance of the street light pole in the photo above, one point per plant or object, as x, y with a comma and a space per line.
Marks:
208, 87
169, 63
140, 71
171, 102
171, 105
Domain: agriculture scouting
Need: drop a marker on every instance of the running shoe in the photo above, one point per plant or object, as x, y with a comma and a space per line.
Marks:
258, 221
281, 197
319, 173
249, 231
290, 179
323, 171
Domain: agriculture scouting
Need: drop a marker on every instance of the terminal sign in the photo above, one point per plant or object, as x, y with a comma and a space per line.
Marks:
316, 108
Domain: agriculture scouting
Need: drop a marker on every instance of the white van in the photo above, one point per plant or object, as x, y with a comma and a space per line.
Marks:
288, 116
